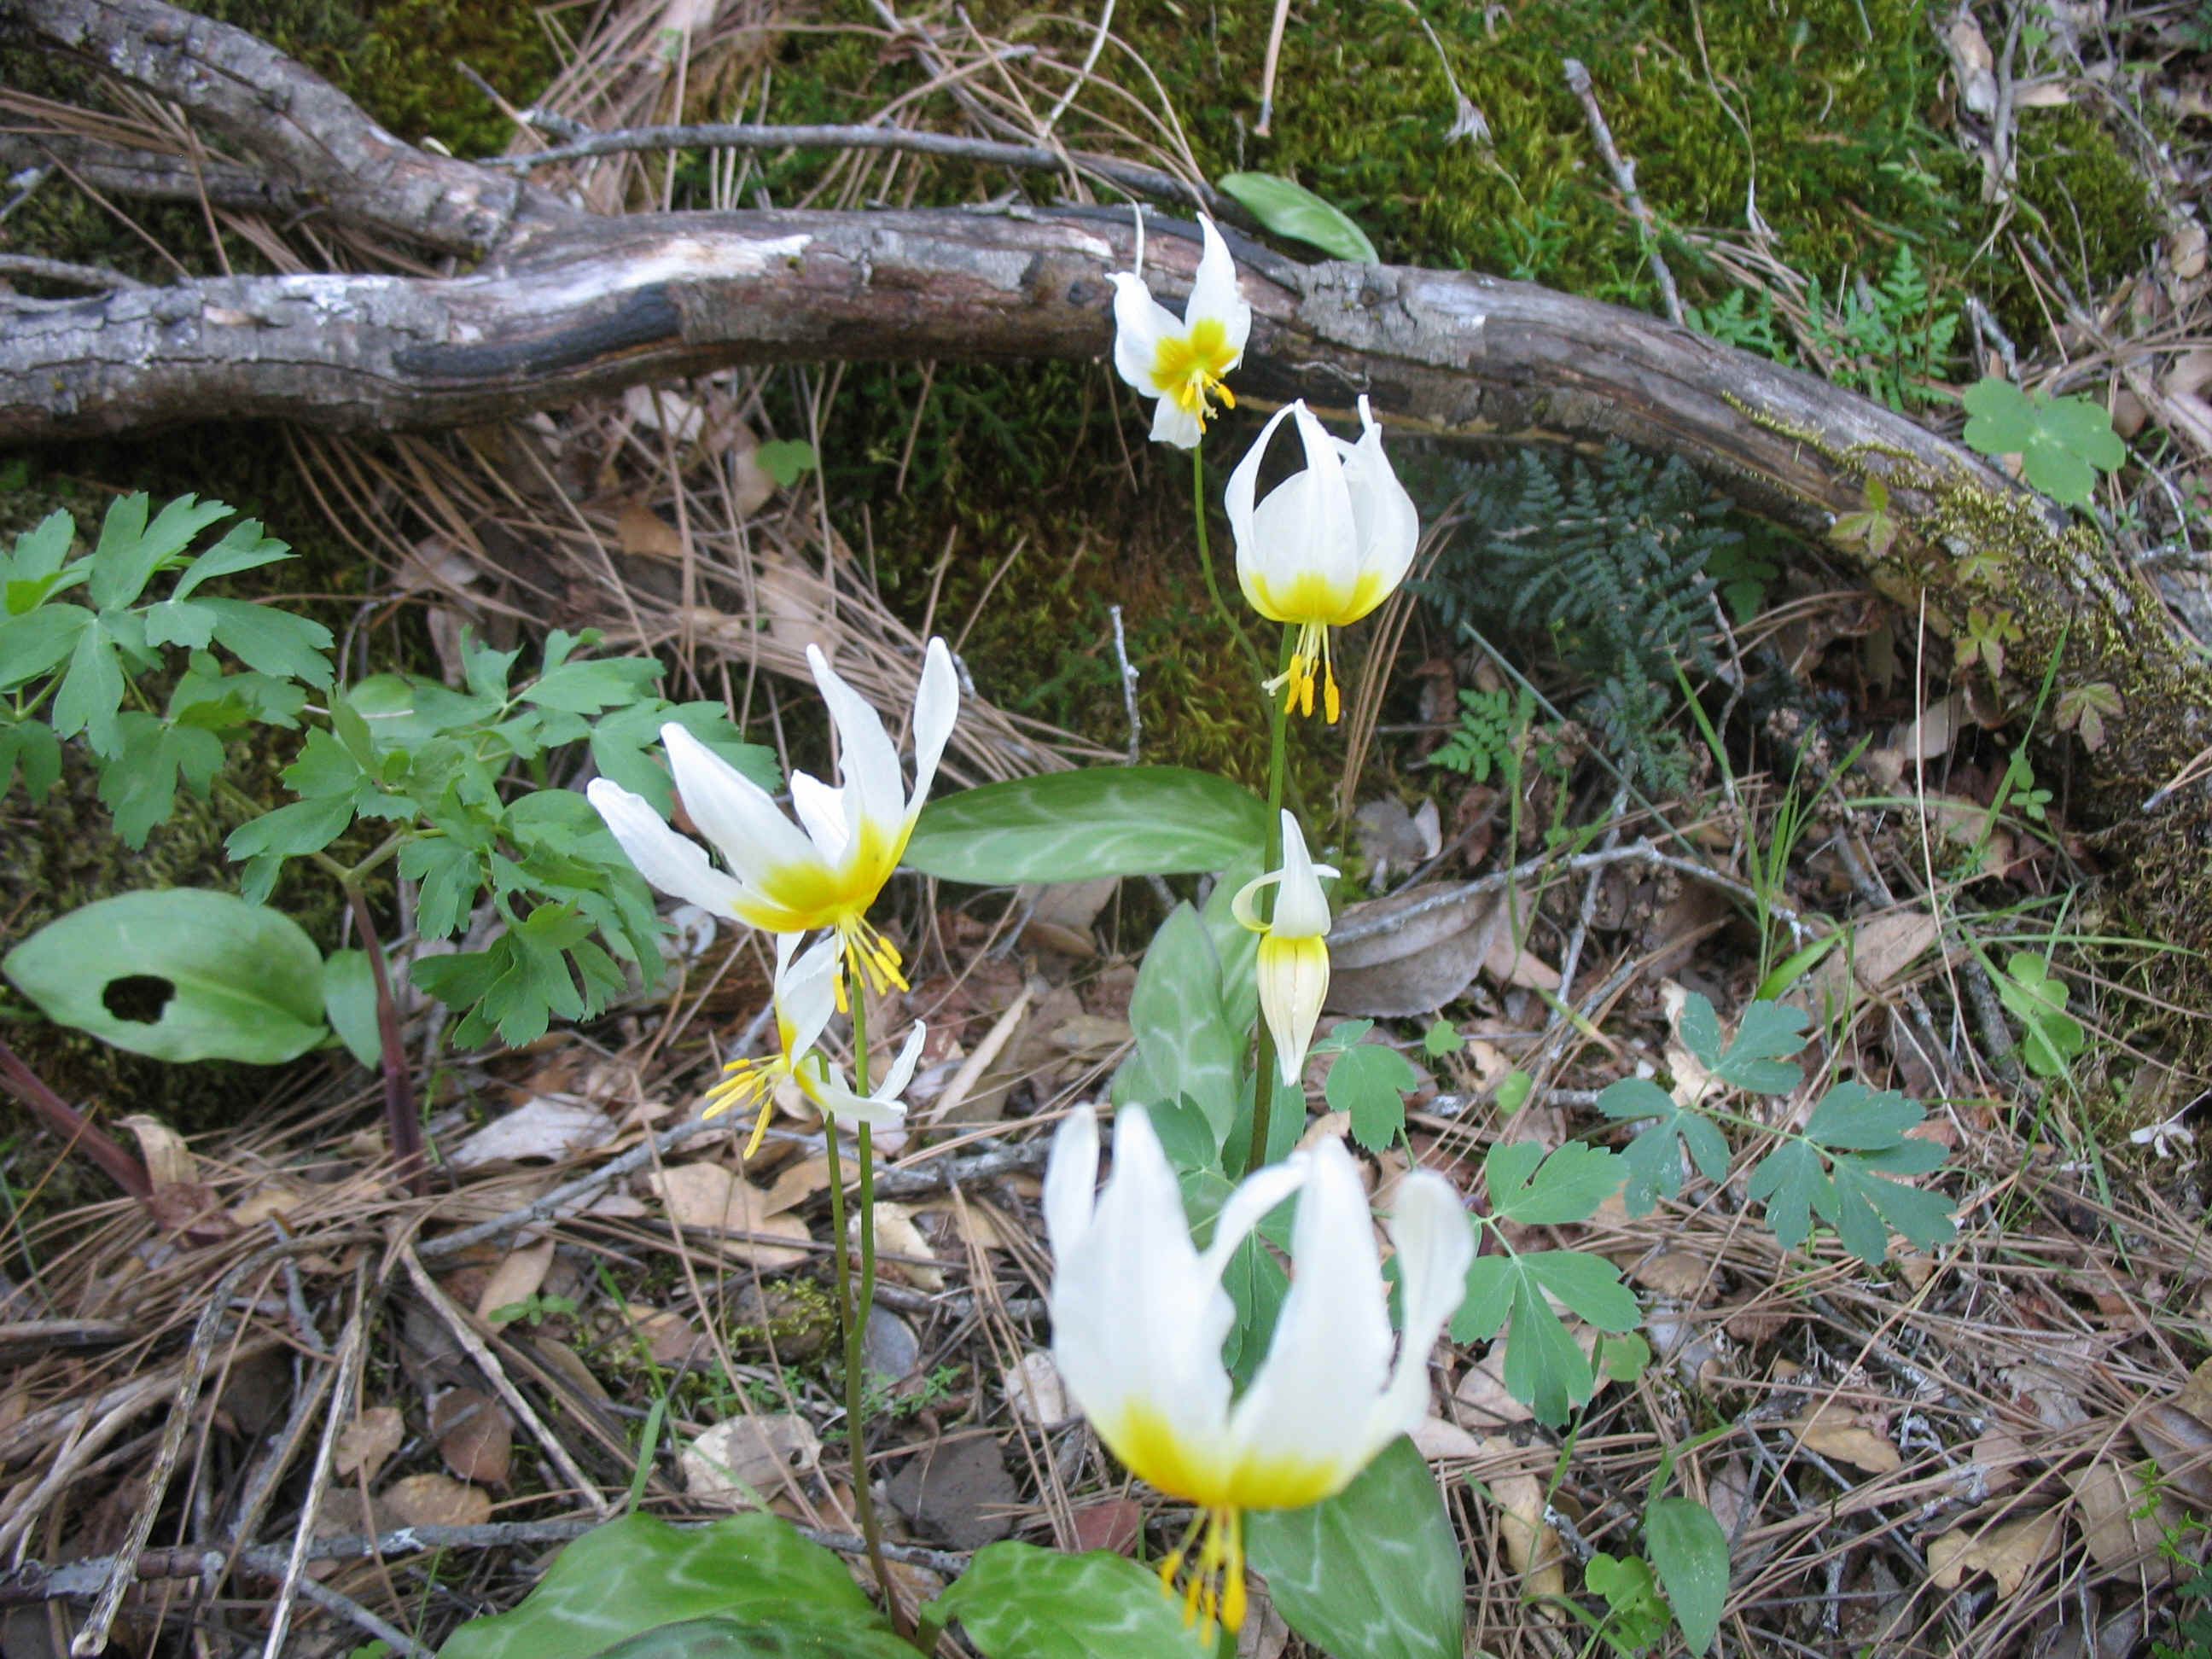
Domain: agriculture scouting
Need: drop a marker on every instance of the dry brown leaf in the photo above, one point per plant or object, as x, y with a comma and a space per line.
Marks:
1676, 1273
2008, 1552
642, 533
2120, 1524
517, 1279
269, 1198
1532, 1549
1831, 1430
368, 1440
541, 1128
434, 1500
668, 1336
1416, 966
710, 1198
1437, 1439
897, 1235
1508, 964
1879, 949
1728, 1496
2181, 1444
1482, 1395
169, 1161
1264, 1634
1974, 65
795, 1183
748, 1460
1034, 1393
475, 1436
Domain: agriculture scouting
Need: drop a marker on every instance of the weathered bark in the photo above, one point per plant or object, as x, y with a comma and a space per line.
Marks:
565, 306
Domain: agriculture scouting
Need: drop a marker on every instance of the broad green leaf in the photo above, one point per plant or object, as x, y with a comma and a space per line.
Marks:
587, 688
1853, 1117
92, 690
138, 784
36, 642
41, 550
273, 640
1018, 1601
1544, 1368
1768, 1032
130, 550
1372, 1573
786, 460
787, 1632
1079, 826
1235, 945
639, 1573
223, 979
1868, 1203
1638, 1612
2060, 440
175, 621
1441, 1038
402, 712
1691, 1552
242, 548
1623, 1356
2051, 1036
486, 670
1290, 210
350, 1005
32, 745
1371, 1082
1699, 1028
1654, 1163
1189, 1051
293, 831
450, 874
1795, 1188
1572, 1183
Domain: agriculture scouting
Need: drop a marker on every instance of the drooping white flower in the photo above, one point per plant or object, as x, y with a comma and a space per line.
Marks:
1326, 546
1292, 971
805, 996
1182, 363
782, 876
1139, 1315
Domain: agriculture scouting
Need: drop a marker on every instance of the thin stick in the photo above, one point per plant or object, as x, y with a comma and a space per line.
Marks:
1268, 68
344, 1369
1128, 674
1028, 158
487, 1362
1624, 175
60, 270
1089, 62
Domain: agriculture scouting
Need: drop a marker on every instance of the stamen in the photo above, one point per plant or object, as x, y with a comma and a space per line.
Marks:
1214, 1593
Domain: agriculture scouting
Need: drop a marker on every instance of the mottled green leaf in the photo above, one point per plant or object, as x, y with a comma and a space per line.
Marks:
1290, 210
1079, 826
1018, 1601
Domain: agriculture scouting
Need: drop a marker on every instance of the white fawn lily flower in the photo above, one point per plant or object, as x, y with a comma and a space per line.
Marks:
805, 995
1326, 546
1293, 959
1182, 363
1139, 1315
825, 871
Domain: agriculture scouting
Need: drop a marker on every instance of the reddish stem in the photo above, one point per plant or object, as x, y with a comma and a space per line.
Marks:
73, 1126
401, 1126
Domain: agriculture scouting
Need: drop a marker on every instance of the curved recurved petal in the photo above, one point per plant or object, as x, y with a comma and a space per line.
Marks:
936, 708
1434, 1246
732, 810
824, 1085
1301, 908
821, 811
1331, 1355
869, 760
1387, 526
1071, 1181
1141, 323
673, 863
806, 995
1174, 424
1214, 293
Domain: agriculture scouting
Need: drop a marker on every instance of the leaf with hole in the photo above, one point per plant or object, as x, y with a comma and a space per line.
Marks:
181, 973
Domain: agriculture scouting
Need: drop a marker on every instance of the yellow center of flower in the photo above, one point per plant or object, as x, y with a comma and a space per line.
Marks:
1311, 653
1189, 368
1146, 1442
745, 1082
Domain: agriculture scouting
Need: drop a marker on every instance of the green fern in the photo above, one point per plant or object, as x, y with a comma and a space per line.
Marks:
1887, 339
1490, 726
1610, 563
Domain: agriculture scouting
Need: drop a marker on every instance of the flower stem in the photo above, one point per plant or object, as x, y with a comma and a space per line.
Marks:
853, 1310
1263, 1083
1206, 564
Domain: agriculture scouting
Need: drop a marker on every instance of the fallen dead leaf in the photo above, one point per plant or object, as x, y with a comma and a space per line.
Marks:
748, 1460
1879, 949
539, 1128
517, 1279
1674, 1273
1532, 1549
434, 1500
1831, 1430
1728, 1496
169, 1161
1482, 1395
475, 1436
2007, 1552
712, 1199
668, 1336
795, 1183
368, 1440
1437, 1439
1111, 1525
1383, 968
958, 1490
2120, 1523
1034, 1393
898, 1236
2180, 1442
640, 532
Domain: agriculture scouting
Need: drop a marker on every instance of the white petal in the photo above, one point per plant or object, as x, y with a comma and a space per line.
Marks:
1301, 908
936, 707
1071, 1181
869, 762
1174, 424
1292, 977
1331, 1355
821, 811
1434, 1245
675, 864
1135, 1321
1213, 292
1387, 526
806, 995
1251, 558
1249, 1206
1141, 324
901, 1073
731, 810
1322, 507
824, 1085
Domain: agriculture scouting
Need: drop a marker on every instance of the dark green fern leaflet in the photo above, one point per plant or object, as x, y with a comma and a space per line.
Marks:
1611, 563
